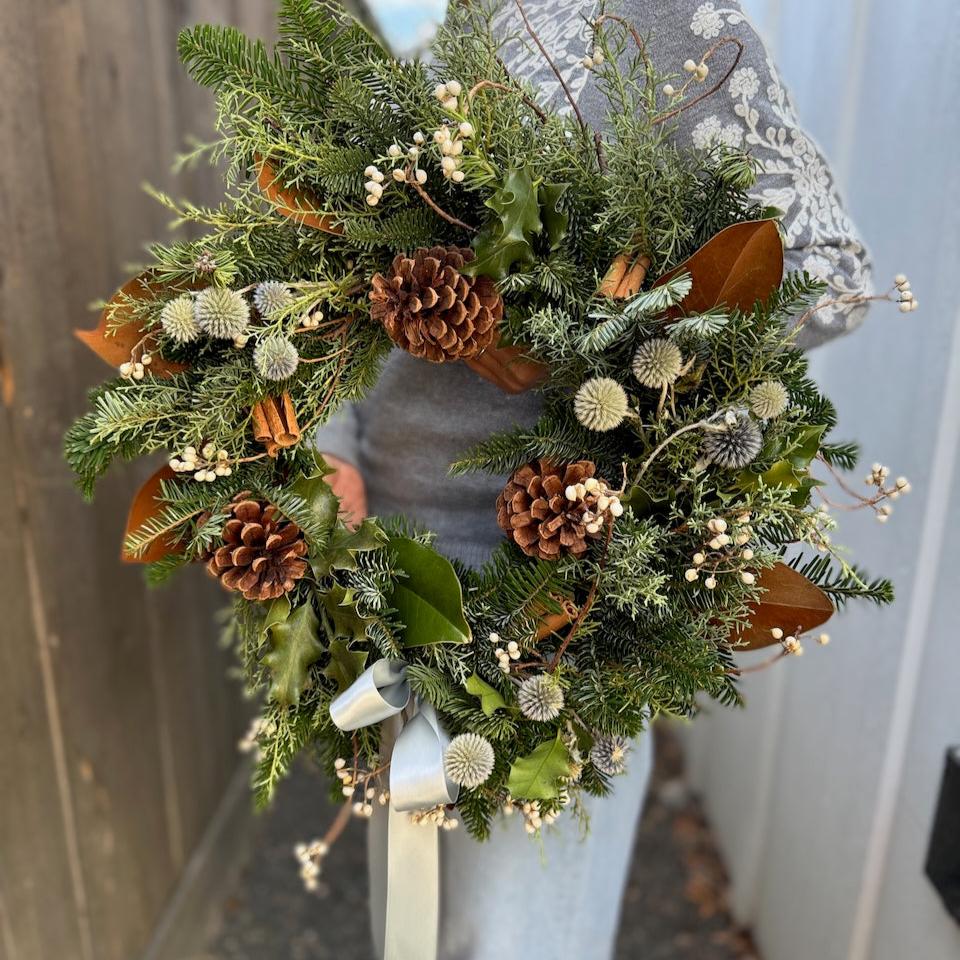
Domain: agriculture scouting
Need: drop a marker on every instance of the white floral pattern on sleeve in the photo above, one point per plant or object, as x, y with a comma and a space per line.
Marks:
793, 176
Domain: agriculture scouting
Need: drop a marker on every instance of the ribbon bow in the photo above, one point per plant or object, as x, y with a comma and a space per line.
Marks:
417, 781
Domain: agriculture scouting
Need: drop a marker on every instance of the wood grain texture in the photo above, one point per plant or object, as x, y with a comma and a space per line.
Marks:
120, 719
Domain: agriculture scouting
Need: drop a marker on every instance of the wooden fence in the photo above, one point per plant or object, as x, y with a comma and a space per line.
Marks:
117, 720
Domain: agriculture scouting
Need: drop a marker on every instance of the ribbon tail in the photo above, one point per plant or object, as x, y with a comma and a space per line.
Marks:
413, 889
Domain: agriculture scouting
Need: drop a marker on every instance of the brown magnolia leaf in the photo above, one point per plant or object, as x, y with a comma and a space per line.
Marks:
275, 423
146, 506
115, 336
296, 204
739, 266
508, 369
791, 602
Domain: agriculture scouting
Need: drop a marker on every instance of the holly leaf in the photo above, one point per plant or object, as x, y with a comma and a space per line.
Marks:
344, 545
555, 220
322, 503
790, 602
346, 620
539, 776
506, 239
296, 645
429, 599
791, 469
490, 699
345, 664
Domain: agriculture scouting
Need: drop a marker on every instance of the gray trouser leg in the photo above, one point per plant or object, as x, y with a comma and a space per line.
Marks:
492, 893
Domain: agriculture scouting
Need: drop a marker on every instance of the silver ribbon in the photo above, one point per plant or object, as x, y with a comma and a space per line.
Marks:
417, 782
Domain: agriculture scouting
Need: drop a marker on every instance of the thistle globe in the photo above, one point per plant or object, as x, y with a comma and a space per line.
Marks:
178, 320
609, 753
768, 400
734, 443
275, 358
540, 698
601, 404
657, 363
469, 760
271, 298
222, 313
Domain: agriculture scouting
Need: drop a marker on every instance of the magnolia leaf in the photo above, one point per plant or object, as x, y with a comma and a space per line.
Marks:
296, 204
296, 646
739, 266
555, 220
118, 333
539, 776
346, 620
429, 598
345, 664
790, 602
490, 698
341, 552
507, 238
146, 506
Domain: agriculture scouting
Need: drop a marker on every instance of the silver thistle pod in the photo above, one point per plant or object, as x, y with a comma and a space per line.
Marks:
768, 400
601, 404
540, 698
657, 363
271, 298
609, 754
222, 313
734, 442
275, 358
469, 760
178, 320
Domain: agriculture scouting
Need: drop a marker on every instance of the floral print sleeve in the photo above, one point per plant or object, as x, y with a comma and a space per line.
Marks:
753, 111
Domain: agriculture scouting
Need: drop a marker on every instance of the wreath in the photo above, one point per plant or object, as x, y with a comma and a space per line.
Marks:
664, 512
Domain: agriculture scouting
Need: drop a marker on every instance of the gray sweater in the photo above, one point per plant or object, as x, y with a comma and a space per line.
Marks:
421, 416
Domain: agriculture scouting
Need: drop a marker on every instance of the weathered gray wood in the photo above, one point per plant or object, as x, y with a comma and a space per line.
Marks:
121, 721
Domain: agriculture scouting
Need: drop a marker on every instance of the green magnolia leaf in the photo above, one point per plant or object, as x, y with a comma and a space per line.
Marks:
555, 220
490, 698
795, 454
344, 545
429, 598
345, 664
341, 607
295, 647
507, 239
539, 776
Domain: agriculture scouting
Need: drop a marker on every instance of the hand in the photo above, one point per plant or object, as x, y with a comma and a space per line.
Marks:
346, 481
506, 368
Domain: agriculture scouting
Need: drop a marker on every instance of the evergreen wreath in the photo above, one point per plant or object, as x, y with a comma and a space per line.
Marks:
662, 514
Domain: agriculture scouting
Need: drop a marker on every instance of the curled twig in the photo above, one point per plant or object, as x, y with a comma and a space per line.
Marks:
722, 42
493, 85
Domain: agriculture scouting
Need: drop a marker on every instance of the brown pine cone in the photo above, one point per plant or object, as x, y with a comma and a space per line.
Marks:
261, 554
432, 310
534, 512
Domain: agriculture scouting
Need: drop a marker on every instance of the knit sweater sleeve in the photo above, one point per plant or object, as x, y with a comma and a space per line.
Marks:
340, 436
754, 111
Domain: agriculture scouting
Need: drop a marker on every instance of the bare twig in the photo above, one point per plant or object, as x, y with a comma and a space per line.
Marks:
493, 85
722, 42
556, 70
434, 206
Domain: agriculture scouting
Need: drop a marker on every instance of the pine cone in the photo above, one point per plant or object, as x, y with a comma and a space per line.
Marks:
261, 554
432, 310
535, 512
